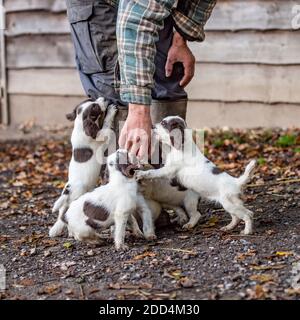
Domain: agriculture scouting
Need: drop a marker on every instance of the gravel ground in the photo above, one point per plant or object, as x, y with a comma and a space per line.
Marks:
201, 264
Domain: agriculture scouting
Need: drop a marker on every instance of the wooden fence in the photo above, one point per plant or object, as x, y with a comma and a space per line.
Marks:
248, 69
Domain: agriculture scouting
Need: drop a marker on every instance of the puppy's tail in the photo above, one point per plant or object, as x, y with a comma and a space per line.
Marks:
244, 178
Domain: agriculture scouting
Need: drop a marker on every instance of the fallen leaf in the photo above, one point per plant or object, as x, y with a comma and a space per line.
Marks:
259, 292
50, 289
292, 291
49, 242
94, 290
262, 278
269, 267
176, 274
115, 286
212, 222
32, 251
186, 282
194, 253
66, 265
144, 255
47, 253
67, 245
243, 256
26, 283
90, 253
284, 253
69, 292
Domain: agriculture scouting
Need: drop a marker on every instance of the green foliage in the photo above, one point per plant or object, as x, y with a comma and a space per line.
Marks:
218, 143
261, 161
297, 150
286, 140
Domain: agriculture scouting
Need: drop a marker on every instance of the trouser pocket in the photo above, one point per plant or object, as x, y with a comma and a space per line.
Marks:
93, 28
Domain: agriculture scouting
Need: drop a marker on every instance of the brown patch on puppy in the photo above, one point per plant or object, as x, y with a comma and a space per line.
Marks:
95, 212
175, 183
171, 126
82, 154
93, 118
216, 170
92, 224
90, 128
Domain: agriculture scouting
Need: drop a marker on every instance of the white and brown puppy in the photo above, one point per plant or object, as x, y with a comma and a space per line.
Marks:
193, 170
113, 203
90, 118
171, 195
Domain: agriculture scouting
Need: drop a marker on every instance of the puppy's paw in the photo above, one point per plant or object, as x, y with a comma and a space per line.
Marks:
188, 226
56, 230
138, 234
121, 247
225, 229
113, 109
246, 232
150, 237
139, 175
179, 220
182, 221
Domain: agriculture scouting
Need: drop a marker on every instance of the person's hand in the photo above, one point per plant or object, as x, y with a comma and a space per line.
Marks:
136, 133
180, 52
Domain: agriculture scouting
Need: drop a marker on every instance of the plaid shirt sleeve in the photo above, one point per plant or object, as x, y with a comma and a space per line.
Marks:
138, 24
191, 16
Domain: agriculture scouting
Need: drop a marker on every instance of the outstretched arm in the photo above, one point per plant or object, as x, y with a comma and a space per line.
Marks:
138, 25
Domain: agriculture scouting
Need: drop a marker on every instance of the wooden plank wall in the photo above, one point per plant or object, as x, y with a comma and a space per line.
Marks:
249, 63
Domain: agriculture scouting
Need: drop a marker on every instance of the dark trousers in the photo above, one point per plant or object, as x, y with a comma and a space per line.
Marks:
93, 28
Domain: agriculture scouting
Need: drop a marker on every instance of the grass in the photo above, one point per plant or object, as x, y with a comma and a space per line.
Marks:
286, 141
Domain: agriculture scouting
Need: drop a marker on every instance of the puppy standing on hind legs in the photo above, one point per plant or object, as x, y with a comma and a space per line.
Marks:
194, 171
90, 117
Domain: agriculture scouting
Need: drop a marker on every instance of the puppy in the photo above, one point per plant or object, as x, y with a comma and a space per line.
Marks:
194, 171
90, 117
171, 195
113, 203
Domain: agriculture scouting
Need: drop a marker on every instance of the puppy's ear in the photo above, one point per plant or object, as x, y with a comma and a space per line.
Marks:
177, 138
72, 115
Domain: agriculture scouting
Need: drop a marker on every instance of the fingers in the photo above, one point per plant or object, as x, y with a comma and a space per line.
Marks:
139, 145
189, 71
122, 138
135, 148
143, 152
128, 144
169, 67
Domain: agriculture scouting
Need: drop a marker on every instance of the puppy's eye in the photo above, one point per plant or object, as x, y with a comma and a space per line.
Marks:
111, 164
